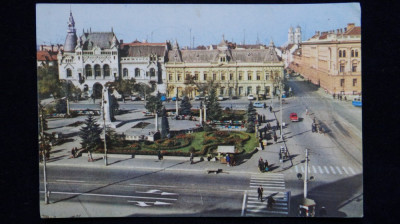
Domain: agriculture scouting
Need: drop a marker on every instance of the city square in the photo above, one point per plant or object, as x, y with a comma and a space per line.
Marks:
143, 128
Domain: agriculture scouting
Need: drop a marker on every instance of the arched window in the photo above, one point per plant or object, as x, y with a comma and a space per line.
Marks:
137, 72
69, 72
152, 72
352, 53
106, 70
88, 70
97, 71
344, 53
125, 72
340, 54
356, 53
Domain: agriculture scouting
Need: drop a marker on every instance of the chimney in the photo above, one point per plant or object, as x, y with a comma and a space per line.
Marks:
350, 26
121, 41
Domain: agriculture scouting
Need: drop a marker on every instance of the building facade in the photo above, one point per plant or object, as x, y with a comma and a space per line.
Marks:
145, 62
332, 60
238, 72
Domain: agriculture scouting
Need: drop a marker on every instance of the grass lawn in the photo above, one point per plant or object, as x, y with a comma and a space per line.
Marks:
251, 143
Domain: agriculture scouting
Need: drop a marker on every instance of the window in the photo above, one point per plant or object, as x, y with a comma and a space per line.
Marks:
125, 72
341, 82
223, 77
344, 53
258, 89
231, 76
354, 67
137, 72
249, 90
248, 76
214, 76
356, 53
222, 90
352, 53
179, 77
187, 76
240, 75
258, 77
69, 72
240, 91
266, 76
205, 76
170, 77
196, 76
152, 72
88, 70
97, 71
106, 70
341, 69
354, 82
340, 54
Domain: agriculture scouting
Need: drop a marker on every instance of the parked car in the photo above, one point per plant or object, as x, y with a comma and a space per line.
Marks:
250, 97
235, 97
199, 97
220, 97
135, 98
293, 117
175, 98
258, 104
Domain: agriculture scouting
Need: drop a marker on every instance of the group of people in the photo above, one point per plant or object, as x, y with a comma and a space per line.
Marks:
230, 160
270, 199
339, 97
263, 166
74, 152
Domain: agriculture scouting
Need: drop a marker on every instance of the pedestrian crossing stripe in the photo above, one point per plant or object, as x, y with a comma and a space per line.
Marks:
268, 187
337, 170
262, 179
265, 212
265, 192
333, 170
276, 199
266, 181
266, 175
276, 206
326, 169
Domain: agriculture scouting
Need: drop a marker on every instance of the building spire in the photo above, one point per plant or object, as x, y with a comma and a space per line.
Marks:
71, 39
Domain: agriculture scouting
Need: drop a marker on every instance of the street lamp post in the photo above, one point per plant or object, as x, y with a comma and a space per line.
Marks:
104, 127
306, 175
280, 96
46, 194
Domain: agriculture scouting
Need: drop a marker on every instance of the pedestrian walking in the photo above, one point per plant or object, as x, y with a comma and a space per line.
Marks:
260, 191
191, 158
266, 165
73, 152
275, 138
262, 146
228, 160
270, 109
333, 95
160, 157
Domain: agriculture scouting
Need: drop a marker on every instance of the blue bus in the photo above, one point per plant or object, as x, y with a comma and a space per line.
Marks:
357, 102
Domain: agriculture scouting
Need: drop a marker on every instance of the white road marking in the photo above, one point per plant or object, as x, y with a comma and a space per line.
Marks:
140, 203
80, 181
320, 170
146, 185
344, 168
352, 170
244, 203
333, 170
302, 169
148, 192
326, 169
338, 169
143, 203
108, 195
266, 181
315, 170
297, 169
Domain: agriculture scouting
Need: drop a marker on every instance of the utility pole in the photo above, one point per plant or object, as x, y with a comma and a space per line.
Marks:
176, 103
280, 93
104, 127
201, 117
306, 174
205, 113
46, 193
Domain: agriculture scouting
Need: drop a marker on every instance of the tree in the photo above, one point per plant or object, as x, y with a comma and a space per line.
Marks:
164, 124
144, 89
112, 138
154, 103
186, 106
48, 81
214, 111
206, 87
90, 135
251, 116
125, 86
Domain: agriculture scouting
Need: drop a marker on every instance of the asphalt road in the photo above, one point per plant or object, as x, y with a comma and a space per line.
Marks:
155, 193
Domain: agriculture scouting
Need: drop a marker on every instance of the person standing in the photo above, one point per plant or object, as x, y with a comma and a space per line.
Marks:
191, 158
228, 160
260, 191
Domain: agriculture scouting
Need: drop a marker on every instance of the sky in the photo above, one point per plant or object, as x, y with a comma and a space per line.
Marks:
206, 23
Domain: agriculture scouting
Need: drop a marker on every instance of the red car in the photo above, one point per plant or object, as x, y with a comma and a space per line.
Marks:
293, 117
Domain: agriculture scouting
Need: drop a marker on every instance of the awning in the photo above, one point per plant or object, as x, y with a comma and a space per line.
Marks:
226, 149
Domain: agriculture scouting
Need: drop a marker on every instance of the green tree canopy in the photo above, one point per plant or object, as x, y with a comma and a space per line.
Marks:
48, 81
251, 116
125, 86
164, 124
90, 134
214, 111
154, 103
186, 106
